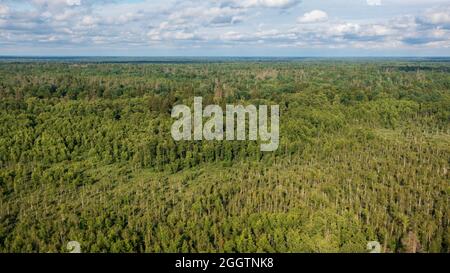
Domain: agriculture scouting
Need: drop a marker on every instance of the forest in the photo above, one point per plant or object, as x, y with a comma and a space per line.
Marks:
86, 155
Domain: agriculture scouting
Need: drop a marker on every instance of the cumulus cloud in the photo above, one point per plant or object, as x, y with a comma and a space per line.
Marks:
57, 3
215, 23
344, 28
283, 4
4, 10
437, 16
313, 17
374, 2
205, 15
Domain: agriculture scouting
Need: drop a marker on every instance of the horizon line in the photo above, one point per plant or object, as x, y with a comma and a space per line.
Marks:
219, 56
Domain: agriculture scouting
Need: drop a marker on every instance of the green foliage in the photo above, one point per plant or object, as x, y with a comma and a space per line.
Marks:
86, 155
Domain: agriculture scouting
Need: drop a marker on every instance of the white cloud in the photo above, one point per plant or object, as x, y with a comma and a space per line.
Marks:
205, 14
89, 21
269, 3
215, 24
313, 17
374, 2
344, 28
55, 3
4, 10
379, 30
438, 17
73, 2
415, 2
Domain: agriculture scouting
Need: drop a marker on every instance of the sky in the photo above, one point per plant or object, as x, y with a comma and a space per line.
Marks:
225, 28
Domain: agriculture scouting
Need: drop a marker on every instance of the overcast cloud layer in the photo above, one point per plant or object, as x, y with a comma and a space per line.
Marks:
226, 27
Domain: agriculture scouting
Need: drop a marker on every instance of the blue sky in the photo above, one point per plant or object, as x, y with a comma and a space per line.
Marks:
225, 27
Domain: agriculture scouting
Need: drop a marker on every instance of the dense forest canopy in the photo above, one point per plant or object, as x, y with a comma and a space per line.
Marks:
86, 154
